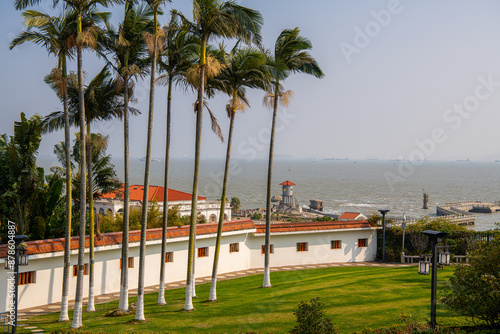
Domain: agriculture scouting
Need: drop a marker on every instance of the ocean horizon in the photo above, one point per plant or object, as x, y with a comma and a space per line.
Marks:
363, 186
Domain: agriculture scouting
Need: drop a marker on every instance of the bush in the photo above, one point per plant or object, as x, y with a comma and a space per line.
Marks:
475, 288
311, 319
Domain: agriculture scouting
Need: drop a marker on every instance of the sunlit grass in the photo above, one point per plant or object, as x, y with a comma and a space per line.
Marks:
354, 298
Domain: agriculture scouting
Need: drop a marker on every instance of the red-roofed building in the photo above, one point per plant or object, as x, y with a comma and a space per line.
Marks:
352, 216
112, 202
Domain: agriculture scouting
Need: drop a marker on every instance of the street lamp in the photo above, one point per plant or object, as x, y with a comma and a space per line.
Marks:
383, 212
433, 236
424, 265
444, 255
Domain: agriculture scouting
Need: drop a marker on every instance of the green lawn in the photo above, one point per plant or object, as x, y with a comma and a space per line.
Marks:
355, 298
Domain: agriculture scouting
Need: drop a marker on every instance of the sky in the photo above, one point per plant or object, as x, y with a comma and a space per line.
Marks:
414, 80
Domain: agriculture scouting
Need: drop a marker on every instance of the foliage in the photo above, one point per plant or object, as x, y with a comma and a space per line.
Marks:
475, 288
311, 319
235, 203
256, 216
19, 175
324, 219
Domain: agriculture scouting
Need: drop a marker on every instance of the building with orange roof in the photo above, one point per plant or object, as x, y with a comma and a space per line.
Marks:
112, 202
352, 216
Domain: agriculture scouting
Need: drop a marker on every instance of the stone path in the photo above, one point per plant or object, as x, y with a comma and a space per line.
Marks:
39, 310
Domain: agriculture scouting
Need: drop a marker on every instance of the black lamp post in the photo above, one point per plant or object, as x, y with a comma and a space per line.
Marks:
20, 258
433, 236
383, 212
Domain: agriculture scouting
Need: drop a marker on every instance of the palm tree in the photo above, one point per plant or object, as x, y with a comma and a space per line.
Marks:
211, 19
58, 36
127, 48
154, 46
290, 56
102, 102
179, 46
244, 68
84, 10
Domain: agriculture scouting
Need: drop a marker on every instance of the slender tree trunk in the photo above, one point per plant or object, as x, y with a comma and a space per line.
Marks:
188, 304
123, 304
267, 272
63, 316
213, 285
77, 315
161, 289
139, 315
90, 303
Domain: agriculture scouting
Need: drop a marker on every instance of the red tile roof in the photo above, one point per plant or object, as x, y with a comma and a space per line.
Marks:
57, 245
313, 226
136, 193
350, 215
287, 183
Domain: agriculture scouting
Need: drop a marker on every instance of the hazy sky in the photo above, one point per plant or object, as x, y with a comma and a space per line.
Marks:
403, 79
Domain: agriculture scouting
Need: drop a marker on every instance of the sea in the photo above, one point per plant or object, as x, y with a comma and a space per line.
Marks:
364, 186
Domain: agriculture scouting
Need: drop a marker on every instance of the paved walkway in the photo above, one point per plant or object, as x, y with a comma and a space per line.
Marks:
24, 314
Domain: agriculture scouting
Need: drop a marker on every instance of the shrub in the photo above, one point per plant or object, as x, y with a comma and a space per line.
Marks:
311, 319
475, 288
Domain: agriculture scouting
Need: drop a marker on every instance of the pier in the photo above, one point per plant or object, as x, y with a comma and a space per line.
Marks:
460, 212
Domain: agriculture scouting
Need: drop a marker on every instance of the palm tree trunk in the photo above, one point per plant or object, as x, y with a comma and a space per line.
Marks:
267, 273
139, 315
123, 304
90, 303
161, 289
213, 285
77, 315
67, 229
188, 304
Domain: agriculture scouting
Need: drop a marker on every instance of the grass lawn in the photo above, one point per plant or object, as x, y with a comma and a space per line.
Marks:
354, 298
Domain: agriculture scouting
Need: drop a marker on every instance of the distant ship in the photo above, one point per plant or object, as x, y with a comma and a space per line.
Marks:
152, 160
468, 160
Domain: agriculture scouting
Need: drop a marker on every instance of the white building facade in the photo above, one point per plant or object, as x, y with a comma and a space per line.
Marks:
241, 249
208, 210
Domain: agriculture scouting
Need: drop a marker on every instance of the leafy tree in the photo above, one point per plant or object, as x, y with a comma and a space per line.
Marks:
235, 204
324, 219
474, 290
290, 56
311, 319
19, 175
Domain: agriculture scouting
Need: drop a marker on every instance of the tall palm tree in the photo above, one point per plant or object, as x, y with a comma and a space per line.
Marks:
102, 102
84, 10
154, 47
211, 19
244, 68
58, 36
290, 56
127, 48
179, 50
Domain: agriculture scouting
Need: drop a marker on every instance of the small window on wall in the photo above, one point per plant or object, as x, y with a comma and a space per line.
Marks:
130, 262
302, 246
169, 257
234, 248
85, 270
203, 252
271, 249
27, 278
336, 244
363, 242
